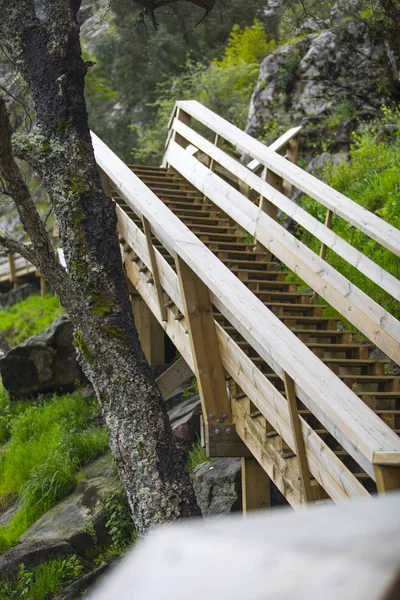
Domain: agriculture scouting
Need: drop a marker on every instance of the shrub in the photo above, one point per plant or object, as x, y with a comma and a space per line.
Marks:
29, 317
197, 456
49, 578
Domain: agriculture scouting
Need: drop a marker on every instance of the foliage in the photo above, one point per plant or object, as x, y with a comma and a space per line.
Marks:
288, 73
132, 59
197, 456
225, 86
8, 411
119, 523
49, 442
371, 178
48, 578
29, 317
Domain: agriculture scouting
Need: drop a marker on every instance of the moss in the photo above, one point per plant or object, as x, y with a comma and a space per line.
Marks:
77, 186
113, 332
82, 347
101, 303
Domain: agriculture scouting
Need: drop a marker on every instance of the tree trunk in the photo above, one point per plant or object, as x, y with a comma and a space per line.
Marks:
47, 54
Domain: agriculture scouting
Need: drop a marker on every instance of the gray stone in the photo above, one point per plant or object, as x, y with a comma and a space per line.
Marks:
185, 419
7, 513
44, 363
308, 80
79, 519
218, 486
32, 553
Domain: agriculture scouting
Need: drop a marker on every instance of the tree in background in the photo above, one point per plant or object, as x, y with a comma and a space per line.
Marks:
44, 48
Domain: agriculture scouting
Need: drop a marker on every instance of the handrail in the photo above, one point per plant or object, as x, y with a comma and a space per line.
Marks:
345, 416
353, 256
370, 318
387, 235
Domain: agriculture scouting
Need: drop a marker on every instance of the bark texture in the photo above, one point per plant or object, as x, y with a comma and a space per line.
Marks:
94, 292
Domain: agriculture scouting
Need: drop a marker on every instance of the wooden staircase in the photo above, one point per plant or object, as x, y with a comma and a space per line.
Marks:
267, 279
284, 386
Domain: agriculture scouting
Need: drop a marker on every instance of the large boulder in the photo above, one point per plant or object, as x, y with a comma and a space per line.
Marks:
319, 80
44, 363
218, 486
80, 518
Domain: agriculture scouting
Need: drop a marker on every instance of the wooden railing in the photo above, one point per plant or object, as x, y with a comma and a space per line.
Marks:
182, 303
358, 308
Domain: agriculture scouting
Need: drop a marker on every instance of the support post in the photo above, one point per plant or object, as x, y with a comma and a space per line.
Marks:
151, 334
185, 118
266, 206
291, 155
256, 486
11, 266
298, 438
154, 269
217, 415
322, 250
42, 287
387, 471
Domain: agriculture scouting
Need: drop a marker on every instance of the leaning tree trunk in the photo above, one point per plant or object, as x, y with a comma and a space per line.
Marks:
94, 293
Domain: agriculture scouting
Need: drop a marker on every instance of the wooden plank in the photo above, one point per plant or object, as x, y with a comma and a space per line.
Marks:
11, 267
373, 226
278, 145
256, 486
205, 350
328, 224
322, 232
222, 440
151, 335
176, 375
352, 303
352, 423
154, 268
298, 437
387, 478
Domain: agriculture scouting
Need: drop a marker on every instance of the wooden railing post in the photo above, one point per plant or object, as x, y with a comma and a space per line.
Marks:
292, 154
220, 433
387, 471
256, 486
298, 437
151, 334
154, 269
185, 118
266, 206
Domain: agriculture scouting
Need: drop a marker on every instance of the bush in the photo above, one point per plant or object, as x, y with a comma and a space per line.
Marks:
29, 317
48, 443
371, 177
197, 456
49, 578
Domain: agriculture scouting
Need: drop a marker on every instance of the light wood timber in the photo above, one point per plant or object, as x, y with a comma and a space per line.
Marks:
151, 335
352, 212
176, 375
203, 339
154, 268
298, 437
256, 486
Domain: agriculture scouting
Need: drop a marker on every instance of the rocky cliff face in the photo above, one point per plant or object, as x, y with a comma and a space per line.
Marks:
332, 75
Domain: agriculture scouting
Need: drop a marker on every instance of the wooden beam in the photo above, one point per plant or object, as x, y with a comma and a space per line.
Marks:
151, 335
176, 375
298, 437
387, 478
42, 287
203, 340
256, 486
154, 268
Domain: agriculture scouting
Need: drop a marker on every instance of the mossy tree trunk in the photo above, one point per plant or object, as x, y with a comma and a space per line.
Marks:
46, 52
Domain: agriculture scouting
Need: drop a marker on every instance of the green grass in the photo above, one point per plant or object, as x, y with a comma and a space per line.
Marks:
45, 580
197, 456
29, 317
48, 443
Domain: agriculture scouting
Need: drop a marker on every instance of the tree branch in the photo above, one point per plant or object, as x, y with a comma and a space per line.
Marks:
13, 246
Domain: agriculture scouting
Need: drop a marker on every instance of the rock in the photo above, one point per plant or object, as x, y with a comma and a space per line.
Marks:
79, 519
185, 419
44, 363
4, 345
32, 553
7, 513
319, 77
218, 486
20, 293
321, 162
